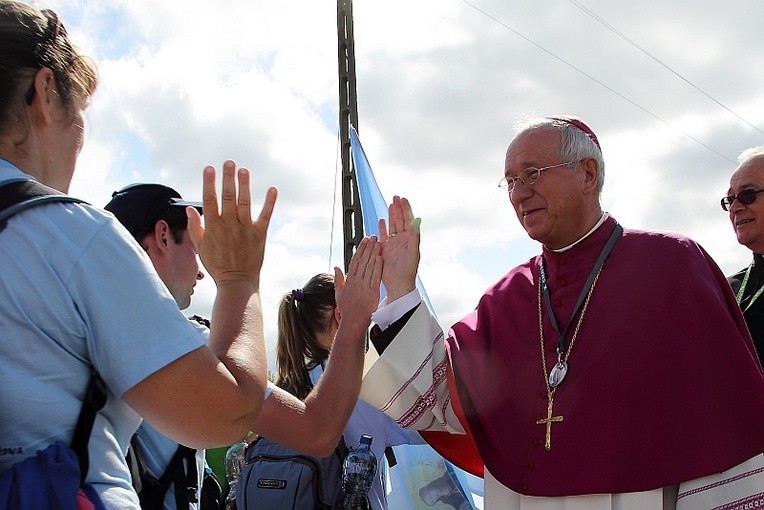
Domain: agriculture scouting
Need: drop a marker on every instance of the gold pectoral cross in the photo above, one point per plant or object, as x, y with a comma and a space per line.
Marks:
548, 421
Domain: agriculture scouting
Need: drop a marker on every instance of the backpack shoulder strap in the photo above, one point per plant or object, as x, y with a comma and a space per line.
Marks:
95, 399
19, 195
136, 464
14, 197
342, 450
152, 490
392, 461
185, 478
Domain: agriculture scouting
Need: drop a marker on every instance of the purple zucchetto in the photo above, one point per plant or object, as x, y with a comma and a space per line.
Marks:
580, 124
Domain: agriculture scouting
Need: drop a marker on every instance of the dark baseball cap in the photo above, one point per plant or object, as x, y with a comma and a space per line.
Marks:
139, 206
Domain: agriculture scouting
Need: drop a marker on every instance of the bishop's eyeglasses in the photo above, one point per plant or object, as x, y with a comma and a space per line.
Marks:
529, 176
746, 197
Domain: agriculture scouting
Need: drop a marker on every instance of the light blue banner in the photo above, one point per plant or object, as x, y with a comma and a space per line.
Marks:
422, 479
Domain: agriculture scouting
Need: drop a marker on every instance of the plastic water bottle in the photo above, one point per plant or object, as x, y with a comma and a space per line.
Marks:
234, 463
358, 472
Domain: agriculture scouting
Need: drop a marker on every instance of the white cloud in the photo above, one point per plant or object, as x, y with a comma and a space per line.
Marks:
440, 84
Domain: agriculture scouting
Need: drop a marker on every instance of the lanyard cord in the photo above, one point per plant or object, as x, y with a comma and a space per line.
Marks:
584, 291
743, 285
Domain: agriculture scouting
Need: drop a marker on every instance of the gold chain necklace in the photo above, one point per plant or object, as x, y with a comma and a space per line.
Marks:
550, 390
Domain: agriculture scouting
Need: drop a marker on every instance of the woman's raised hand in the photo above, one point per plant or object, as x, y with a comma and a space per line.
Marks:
357, 292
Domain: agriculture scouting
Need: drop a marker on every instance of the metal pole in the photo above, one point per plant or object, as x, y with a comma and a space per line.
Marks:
352, 219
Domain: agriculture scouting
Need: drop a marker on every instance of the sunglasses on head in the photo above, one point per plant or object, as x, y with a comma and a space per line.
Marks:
746, 197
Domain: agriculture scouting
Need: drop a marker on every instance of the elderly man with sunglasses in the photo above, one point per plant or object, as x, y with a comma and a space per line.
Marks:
614, 370
746, 212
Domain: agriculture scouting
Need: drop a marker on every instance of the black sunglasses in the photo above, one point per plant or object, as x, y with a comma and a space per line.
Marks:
746, 197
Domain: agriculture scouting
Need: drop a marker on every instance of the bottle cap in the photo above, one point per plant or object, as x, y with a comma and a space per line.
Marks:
365, 439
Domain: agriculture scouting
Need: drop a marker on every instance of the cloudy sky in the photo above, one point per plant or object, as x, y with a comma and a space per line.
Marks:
674, 90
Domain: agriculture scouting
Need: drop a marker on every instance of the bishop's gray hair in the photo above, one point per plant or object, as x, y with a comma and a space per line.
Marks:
575, 144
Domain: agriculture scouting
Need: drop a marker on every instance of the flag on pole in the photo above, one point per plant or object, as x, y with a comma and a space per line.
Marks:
422, 478
373, 204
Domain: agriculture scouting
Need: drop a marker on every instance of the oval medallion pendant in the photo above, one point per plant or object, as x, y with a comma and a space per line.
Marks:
558, 374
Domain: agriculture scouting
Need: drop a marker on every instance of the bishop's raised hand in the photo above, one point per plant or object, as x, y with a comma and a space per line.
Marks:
400, 249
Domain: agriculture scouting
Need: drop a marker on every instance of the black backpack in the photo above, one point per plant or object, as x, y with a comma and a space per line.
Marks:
181, 472
275, 476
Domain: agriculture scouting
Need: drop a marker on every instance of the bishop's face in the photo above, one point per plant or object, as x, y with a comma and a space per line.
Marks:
748, 220
552, 210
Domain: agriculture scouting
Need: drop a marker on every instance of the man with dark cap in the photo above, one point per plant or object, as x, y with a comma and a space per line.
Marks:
746, 211
612, 371
155, 215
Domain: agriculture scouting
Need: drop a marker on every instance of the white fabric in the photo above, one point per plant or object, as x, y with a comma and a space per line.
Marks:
408, 382
498, 496
387, 313
739, 488
402, 379
76, 290
595, 227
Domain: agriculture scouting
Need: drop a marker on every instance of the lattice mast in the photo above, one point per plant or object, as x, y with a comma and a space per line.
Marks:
352, 218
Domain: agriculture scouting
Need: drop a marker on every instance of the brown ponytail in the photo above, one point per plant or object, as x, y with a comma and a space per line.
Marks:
302, 314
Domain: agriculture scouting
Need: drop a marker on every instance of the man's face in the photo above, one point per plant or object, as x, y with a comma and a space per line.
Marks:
552, 209
748, 220
182, 271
